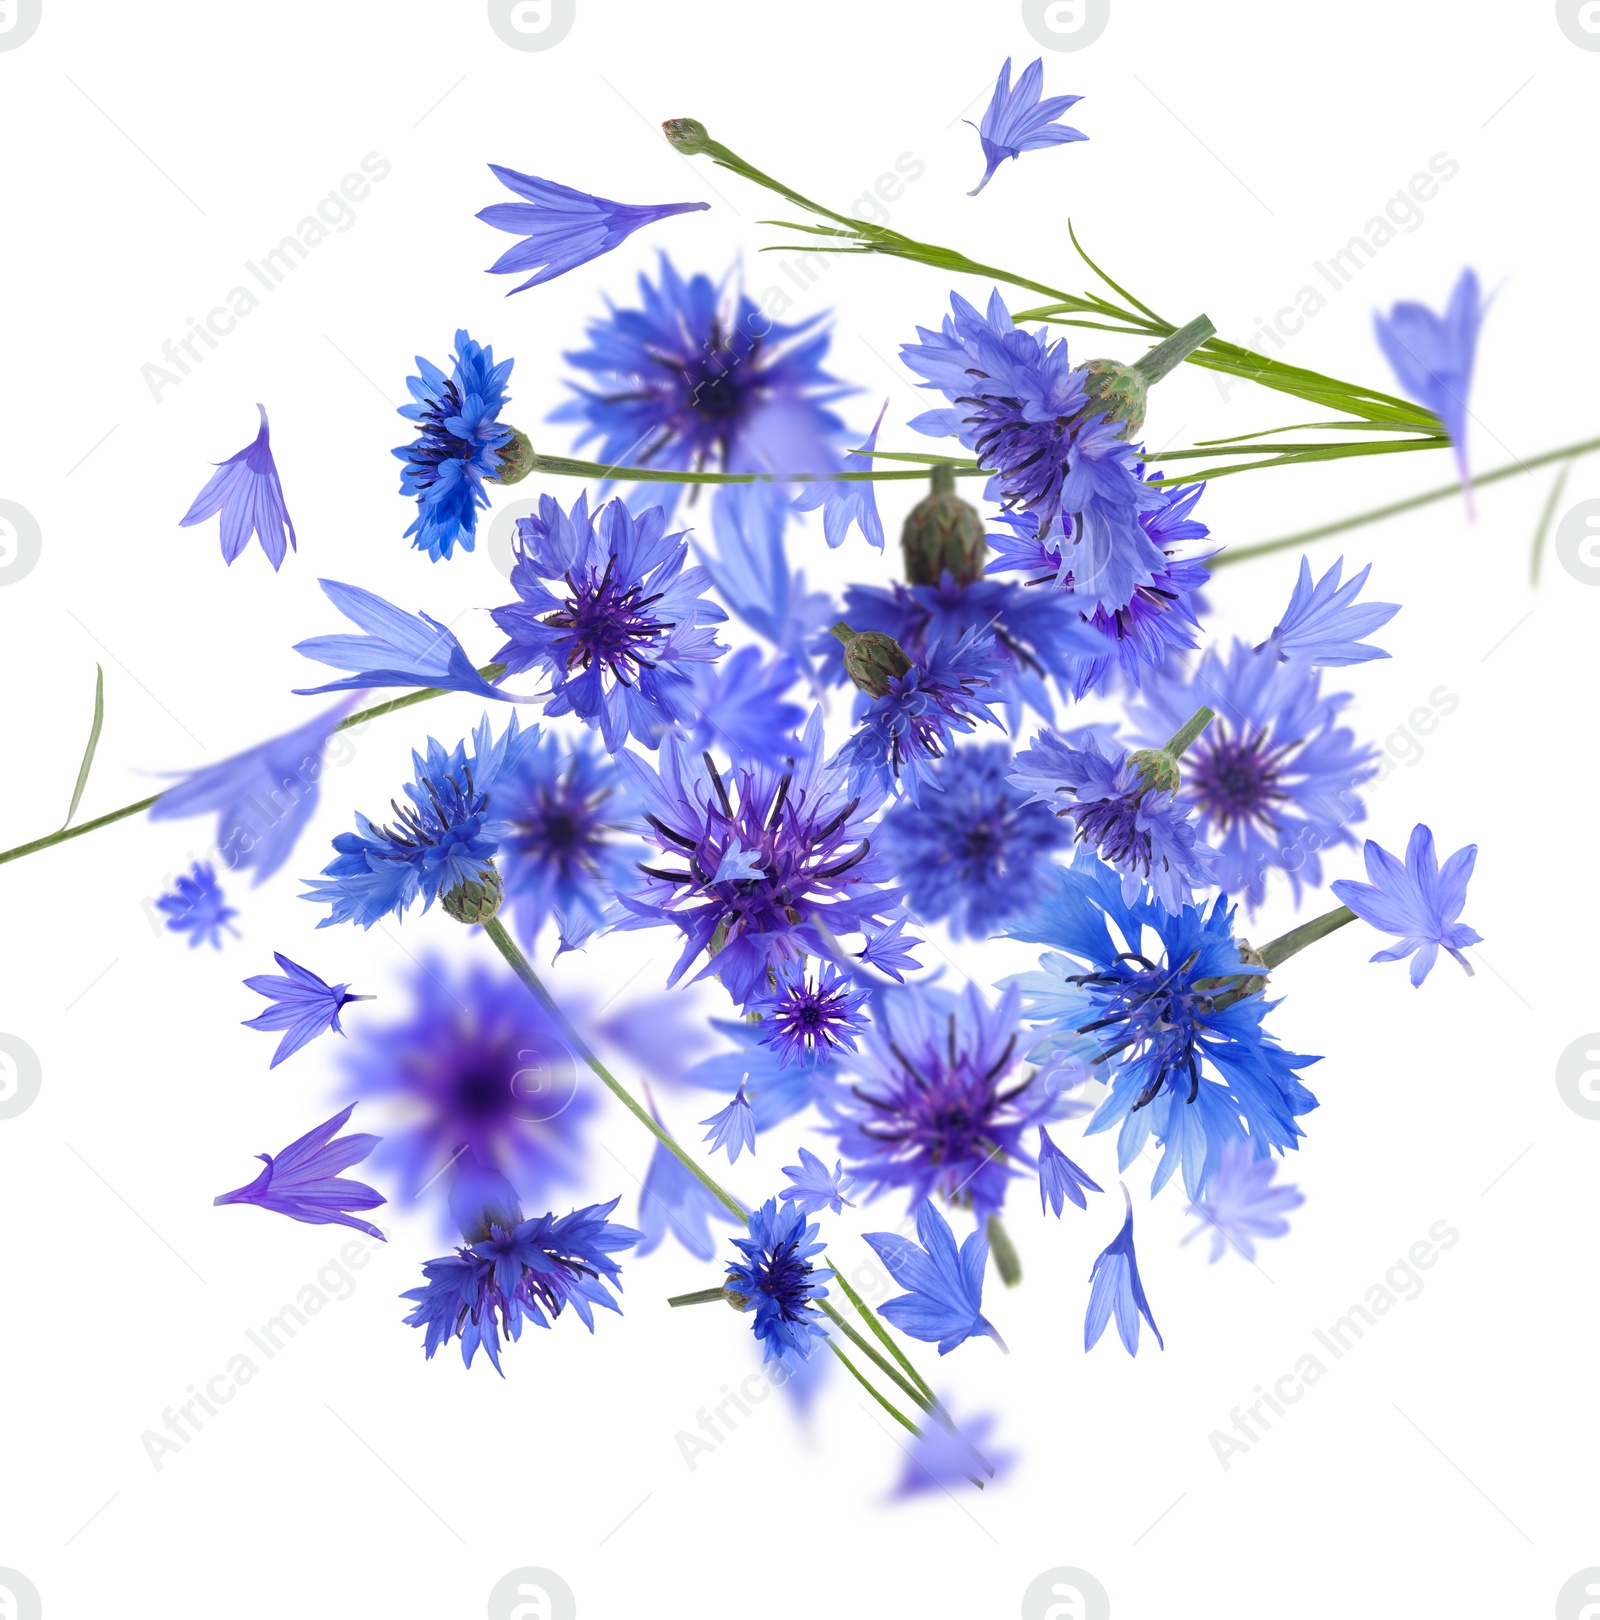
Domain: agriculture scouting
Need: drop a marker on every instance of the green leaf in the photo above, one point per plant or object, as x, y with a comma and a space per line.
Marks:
94, 742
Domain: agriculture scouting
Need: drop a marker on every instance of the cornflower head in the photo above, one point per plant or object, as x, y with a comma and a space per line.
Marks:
777, 1277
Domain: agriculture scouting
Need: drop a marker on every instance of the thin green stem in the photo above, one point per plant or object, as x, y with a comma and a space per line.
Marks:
1189, 730
1308, 933
869, 1316
1004, 1251
1546, 518
887, 1405
906, 1386
701, 1296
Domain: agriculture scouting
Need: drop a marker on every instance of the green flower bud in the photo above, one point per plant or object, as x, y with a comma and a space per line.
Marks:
1117, 392
1158, 767
476, 900
871, 659
688, 135
516, 459
943, 534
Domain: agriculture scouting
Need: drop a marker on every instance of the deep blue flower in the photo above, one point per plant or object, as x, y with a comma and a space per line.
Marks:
263, 797
701, 378
1418, 901
1272, 780
971, 853
801, 838
1060, 1179
779, 1278
196, 906
458, 445
246, 491
902, 735
944, 1458
1183, 1061
1147, 835
303, 1181
809, 1014
1017, 121
1161, 616
512, 1271
563, 228
943, 1302
474, 1067
445, 836
626, 619
889, 950
812, 1186
1433, 355
302, 1006
1240, 1204
740, 707
671, 1198
938, 1104
848, 501
733, 1127
396, 649
1019, 405
1114, 1286
1324, 624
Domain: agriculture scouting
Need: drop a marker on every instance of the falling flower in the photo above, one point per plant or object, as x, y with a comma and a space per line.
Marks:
946, 1457
778, 1278
812, 1186
673, 1199
847, 501
1324, 625
196, 907
733, 1127
303, 1181
1017, 121
807, 1017
1059, 1178
1114, 1286
1240, 1204
302, 1006
246, 491
943, 1301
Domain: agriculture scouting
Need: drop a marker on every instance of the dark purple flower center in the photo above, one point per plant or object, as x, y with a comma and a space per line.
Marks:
1112, 826
1236, 778
562, 827
1031, 458
609, 624
1153, 1010
482, 1093
784, 1278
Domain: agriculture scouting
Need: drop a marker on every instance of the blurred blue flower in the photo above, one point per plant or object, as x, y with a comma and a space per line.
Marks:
945, 1458
246, 491
1240, 1204
1114, 1286
302, 1006
563, 228
851, 501
303, 1181
1017, 121
778, 1277
733, 1127
740, 707
943, 1301
776, 1091
1324, 624
813, 1187
672, 1198
196, 907
1060, 1179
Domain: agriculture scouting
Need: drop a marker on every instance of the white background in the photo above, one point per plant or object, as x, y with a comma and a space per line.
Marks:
1445, 1465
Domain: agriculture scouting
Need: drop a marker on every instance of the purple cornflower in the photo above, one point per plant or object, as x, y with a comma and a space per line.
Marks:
1419, 901
1145, 834
563, 228
303, 1181
733, 1127
848, 501
246, 491
302, 1006
807, 1015
1324, 624
889, 950
1017, 121
769, 861
1240, 1204
1114, 1286
623, 623
812, 1186
943, 1302
778, 1277
196, 907
1060, 1179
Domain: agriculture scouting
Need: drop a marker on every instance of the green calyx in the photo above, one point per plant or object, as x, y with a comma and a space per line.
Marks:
1158, 768
476, 900
1121, 392
943, 534
516, 459
688, 135
871, 659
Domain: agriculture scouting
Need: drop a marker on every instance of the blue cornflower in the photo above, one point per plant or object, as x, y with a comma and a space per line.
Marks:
1114, 1286
847, 502
1272, 780
512, 1271
396, 649
938, 1104
563, 228
246, 491
943, 1301
807, 1017
563, 857
812, 1186
1184, 1060
447, 835
263, 797
303, 1181
779, 1278
889, 950
740, 707
671, 1197
1240, 1204
697, 378
626, 620
474, 1066
1025, 412
972, 852
1418, 901
1324, 624
733, 1127
943, 1458
907, 728
196, 906
303, 1006
459, 444
1060, 1179
1146, 834
802, 839
1432, 356
1017, 121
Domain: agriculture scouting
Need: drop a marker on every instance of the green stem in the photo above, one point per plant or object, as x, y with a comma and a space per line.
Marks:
1188, 731
869, 1316
906, 1386
1172, 351
1308, 933
888, 1406
1546, 518
1004, 1253
701, 1296
489, 672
